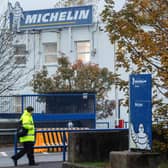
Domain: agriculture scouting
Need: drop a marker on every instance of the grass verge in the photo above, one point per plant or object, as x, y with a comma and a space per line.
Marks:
96, 164
164, 165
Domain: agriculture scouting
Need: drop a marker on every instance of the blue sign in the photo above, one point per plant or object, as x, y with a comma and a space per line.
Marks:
140, 130
49, 18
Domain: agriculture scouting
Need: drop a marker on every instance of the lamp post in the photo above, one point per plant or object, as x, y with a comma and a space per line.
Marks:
115, 89
119, 108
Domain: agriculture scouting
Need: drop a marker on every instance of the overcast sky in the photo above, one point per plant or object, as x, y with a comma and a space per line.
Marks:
41, 4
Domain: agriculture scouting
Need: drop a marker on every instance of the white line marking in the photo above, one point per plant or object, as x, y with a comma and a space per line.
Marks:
3, 154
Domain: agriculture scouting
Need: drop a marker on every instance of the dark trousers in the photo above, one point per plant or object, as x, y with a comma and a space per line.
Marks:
27, 149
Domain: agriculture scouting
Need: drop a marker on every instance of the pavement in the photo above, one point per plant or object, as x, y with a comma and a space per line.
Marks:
44, 160
41, 165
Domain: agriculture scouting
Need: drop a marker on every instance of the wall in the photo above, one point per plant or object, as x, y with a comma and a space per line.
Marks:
96, 145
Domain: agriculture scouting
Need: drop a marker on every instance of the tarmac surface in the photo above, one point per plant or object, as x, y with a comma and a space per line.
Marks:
44, 160
41, 165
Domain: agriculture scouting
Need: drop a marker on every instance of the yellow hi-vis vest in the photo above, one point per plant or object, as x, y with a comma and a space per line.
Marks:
27, 122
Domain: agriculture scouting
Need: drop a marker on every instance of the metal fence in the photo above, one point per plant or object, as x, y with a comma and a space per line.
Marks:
79, 108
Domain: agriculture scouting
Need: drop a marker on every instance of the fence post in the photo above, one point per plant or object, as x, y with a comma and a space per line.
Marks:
22, 103
64, 147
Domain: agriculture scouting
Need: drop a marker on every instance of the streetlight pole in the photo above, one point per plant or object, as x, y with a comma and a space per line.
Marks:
116, 91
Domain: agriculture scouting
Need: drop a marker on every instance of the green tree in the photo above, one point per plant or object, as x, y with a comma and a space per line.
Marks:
140, 30
79, 77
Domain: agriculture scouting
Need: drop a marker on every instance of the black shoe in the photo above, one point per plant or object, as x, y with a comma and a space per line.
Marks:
14, 161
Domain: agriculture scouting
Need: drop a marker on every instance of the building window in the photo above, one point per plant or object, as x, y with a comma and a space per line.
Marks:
50, 52
83, 51
20, 54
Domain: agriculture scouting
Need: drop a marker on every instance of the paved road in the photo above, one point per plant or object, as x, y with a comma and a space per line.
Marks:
45, 160
41, 165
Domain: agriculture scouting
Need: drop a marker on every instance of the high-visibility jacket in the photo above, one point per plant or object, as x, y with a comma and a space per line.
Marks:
28, 123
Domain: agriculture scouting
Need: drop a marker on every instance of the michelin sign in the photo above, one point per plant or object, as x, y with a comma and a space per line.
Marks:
49, 18
140, 128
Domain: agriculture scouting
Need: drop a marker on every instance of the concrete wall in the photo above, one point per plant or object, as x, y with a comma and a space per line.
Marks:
128, 159
92, 146
7, 130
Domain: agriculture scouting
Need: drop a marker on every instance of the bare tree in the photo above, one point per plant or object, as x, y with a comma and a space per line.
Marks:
64, 3
10, 73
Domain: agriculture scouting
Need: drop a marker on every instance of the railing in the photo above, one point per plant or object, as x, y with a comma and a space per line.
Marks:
103, 124
7, 131
46, 145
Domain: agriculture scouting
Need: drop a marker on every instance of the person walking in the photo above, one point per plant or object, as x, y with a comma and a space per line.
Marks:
27, 140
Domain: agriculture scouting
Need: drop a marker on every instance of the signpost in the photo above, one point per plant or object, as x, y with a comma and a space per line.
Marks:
140, 127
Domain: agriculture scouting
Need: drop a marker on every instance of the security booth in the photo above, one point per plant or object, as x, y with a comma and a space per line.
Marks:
58, 110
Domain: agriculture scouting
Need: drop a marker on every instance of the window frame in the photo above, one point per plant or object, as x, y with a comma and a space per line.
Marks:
84, 53
50, 53
20, 54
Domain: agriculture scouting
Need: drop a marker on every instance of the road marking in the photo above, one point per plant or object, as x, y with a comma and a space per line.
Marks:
4, 154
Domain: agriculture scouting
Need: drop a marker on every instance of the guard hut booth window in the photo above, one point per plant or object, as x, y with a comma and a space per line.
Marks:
77, 107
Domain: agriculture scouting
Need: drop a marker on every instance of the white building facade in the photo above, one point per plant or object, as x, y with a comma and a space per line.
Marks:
36, 47
39, 44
